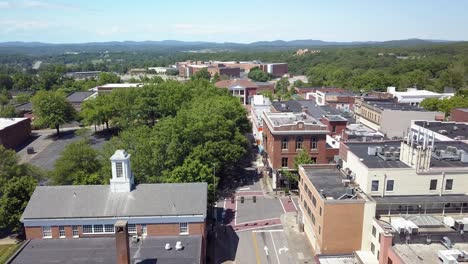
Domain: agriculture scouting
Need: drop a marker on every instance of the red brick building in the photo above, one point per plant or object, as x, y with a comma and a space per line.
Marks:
459, 115
91, 211
285, 134
14, 131
242, 88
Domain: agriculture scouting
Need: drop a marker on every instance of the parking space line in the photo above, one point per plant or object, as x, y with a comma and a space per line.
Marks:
274, 247
257, 255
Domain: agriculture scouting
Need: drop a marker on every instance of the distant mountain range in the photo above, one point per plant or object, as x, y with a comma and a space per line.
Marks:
176, 45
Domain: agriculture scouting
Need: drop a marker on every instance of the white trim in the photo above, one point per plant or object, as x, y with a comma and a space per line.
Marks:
180, 229
48, 231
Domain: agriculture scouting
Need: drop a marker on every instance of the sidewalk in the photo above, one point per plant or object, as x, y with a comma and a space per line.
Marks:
299, 246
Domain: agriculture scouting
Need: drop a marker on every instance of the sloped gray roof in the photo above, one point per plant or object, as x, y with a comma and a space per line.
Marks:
78, 97
98, 201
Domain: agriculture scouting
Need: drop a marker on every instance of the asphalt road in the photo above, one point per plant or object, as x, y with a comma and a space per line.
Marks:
261, 246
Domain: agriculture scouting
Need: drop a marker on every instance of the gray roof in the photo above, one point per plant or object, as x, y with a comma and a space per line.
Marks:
95, 201
24, 107
420, 199
102, 250
452, 129
78, 97
328, 180
360, 149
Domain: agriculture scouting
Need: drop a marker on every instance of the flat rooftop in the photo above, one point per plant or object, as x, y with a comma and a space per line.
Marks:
424, 253
442, 145
420, 199
453, 130
121, 85
103, 250
330, 181
313, 109
284, 119
360, 149
395, 106
6, 122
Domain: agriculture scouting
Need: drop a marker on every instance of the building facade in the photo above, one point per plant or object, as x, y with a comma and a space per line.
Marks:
459, 115
14, 131
86, 211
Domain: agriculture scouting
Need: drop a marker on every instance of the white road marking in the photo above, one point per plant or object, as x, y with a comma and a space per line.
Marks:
235, 213
260, 220
285, 249
244, 189
281, 202
258, 227
274, 247
266, 250
268, 231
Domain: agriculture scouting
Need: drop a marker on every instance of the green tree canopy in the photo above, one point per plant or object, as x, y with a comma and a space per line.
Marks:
201, 74
52, 109
258, 75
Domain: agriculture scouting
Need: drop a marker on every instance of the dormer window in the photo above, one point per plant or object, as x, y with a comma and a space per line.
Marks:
119, 169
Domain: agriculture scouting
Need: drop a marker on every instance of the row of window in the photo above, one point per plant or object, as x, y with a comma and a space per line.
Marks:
105, 229
299, 143
391, 184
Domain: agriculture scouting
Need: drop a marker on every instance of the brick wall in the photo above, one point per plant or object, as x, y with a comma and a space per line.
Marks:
12, 136
458, 115
34, 232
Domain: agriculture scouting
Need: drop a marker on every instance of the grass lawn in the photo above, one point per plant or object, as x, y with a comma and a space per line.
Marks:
7, 250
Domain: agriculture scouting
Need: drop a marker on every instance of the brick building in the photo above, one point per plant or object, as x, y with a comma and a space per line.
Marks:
14, 131
274, 69
91, 211
459, 115
241, 88
76, 99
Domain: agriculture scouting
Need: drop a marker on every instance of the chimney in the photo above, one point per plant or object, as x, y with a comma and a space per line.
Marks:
121, 242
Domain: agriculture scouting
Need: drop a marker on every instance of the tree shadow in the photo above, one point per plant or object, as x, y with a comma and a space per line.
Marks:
223, 246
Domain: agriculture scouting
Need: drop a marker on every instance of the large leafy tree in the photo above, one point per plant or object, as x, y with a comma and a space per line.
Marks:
201, 74
52, 109
98, 111
106, 77
258, 75
78, 164
302, 158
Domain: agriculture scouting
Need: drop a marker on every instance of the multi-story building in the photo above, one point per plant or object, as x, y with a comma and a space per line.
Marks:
359, 132
439, 130
333, 211
156, 213
390, 118
241, 88
413, 96
84, 74
286, 134
459, 115
259, 105
274, 69
335, 97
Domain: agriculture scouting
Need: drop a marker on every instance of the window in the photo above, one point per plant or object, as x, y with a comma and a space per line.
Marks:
372, 248
299, 143
313, 143
389, 185
119, 169
433, 185
375, 186
314, 201
448, 184
61, 231
132, 228
46, 232
378, 254
98, 229
75, 231
320, 230
284, 162
334, 129
109, 228
87, 229
389, 261
144, 229
183, 229
241, 92
320, 212
374, 231
313, 218
313, 160
284, 143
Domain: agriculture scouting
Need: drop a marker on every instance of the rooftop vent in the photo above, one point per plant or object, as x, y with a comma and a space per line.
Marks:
450, 153
179, 246
168, 246
443, 132
388, 153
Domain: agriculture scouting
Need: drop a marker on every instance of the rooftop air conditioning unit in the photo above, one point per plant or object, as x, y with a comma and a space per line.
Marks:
449, 256
411, 227
459, 225
449, 221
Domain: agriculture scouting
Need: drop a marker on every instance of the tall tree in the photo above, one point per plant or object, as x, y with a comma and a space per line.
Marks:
78, 164
52, 109
201, 74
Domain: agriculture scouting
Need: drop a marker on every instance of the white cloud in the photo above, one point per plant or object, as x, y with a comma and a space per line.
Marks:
4, 4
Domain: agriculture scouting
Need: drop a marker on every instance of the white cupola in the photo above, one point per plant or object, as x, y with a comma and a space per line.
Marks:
122, 177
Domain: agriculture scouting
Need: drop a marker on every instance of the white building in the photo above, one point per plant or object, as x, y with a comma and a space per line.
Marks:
260, 104
414, 96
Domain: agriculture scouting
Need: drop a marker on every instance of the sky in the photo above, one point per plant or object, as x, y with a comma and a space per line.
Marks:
243, 21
